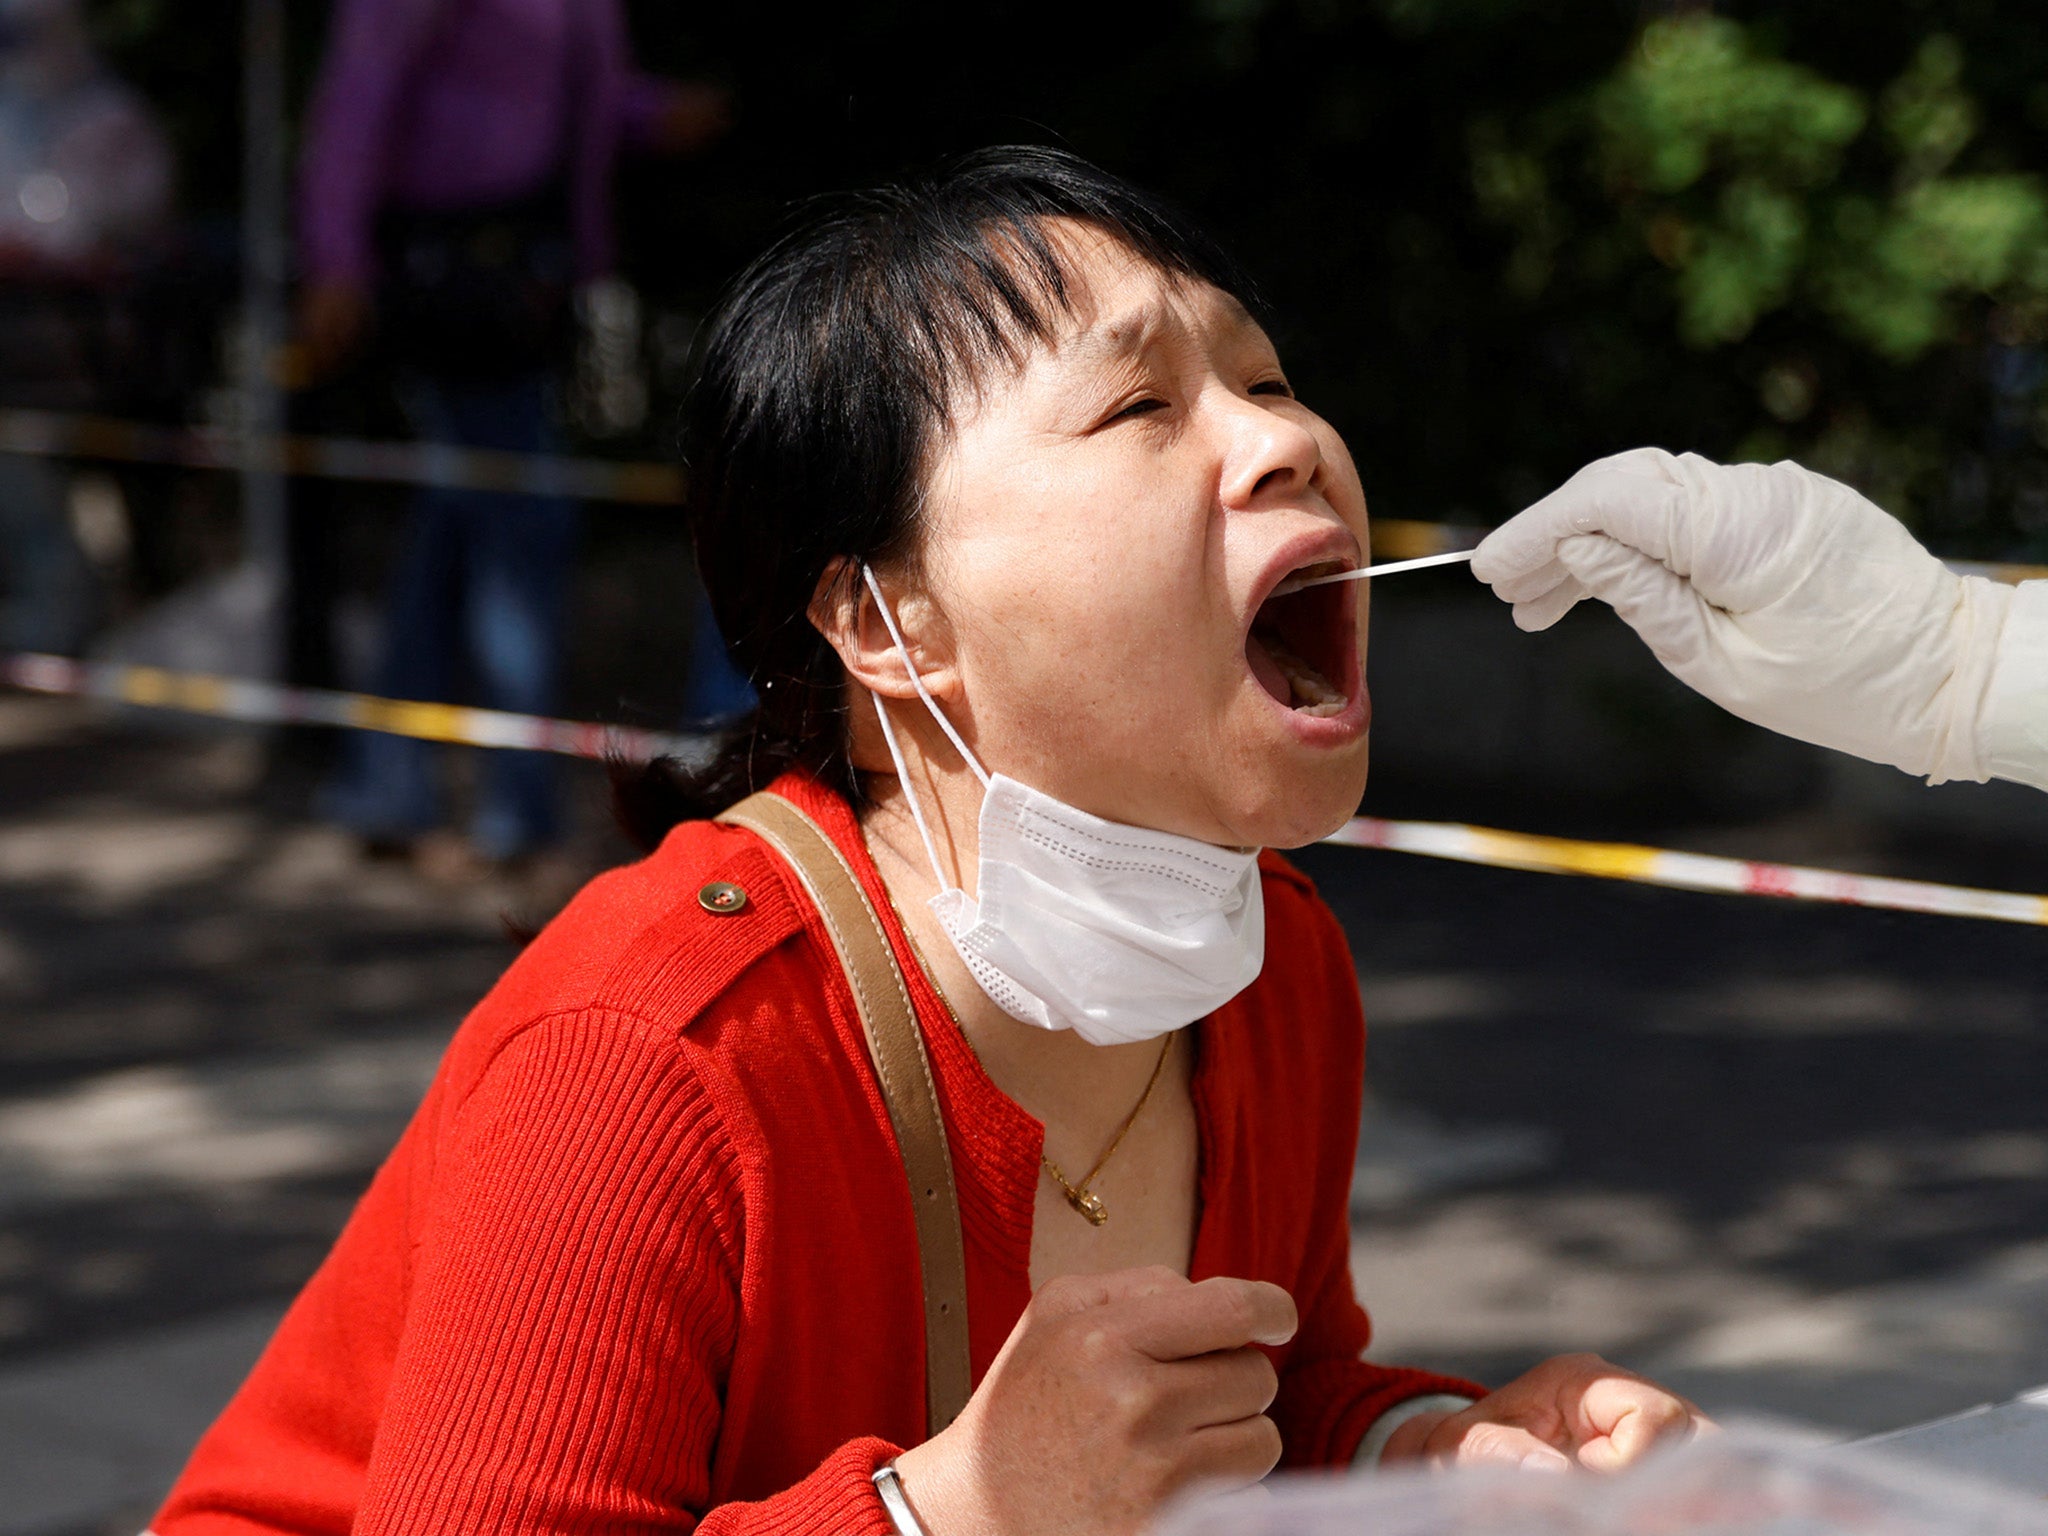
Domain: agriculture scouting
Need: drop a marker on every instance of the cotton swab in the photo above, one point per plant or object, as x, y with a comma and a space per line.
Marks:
1390, 568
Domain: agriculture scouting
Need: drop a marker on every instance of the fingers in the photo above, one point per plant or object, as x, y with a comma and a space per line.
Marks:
1233, 1455
1221, 1388
1538, 613
1571, 1410
1522, 544
1480, 1443
1526, 586
1645, 463
1622, 1416
1661, 607
1215, 1314
1163, 1315
1542, 596
1070, 1294
1637, 497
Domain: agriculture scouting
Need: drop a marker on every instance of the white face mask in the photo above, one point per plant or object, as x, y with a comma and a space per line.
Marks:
1117, 933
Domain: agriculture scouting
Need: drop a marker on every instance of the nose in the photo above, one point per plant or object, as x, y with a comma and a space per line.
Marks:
1269, 455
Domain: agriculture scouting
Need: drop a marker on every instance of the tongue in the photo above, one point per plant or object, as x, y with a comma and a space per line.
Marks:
1267, 670
1289, 678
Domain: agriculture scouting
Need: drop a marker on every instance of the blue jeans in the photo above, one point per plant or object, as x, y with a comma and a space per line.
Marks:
478, 595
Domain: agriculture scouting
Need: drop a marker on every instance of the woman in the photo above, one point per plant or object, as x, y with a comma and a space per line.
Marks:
994, 472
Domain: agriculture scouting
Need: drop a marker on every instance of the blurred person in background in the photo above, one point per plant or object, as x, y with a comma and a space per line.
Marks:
85, 196
456, 189
1792, 601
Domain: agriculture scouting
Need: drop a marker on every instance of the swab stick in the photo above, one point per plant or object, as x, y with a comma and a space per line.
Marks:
1390, 568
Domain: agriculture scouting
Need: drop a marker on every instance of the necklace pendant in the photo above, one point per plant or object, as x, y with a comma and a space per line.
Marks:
1089, 1204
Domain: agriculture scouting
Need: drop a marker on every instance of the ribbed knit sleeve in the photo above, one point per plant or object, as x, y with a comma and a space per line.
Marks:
1329, 1395
573, 1308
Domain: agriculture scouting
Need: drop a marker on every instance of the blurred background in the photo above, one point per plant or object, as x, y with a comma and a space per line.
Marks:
340, 346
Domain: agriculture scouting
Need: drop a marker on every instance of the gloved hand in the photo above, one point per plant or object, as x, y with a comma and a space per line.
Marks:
1780, 594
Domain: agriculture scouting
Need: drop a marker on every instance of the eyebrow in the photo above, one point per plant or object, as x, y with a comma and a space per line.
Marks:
1130, 332
1125, 335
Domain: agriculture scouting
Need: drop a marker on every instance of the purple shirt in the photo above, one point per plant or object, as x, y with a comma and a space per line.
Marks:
451, 104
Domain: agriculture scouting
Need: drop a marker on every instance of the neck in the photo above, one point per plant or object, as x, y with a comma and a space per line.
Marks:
1071, 1086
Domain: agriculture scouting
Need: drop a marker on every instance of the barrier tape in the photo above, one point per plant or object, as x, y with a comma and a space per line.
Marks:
55, 434
254, 703
273, 704
1685, 871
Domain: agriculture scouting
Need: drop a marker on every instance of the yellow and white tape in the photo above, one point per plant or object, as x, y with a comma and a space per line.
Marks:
231, 698
1685, 871
271, 704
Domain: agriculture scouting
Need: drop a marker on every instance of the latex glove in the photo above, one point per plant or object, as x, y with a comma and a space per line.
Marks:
1780, 594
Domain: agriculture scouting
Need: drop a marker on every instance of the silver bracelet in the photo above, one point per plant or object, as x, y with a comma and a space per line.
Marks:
890, 1487
1374, 1445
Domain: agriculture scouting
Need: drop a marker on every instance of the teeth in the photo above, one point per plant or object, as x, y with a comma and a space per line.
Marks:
1296, 580
1320, 568
1313, 694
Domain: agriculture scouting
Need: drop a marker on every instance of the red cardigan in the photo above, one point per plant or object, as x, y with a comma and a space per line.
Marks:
644, 1259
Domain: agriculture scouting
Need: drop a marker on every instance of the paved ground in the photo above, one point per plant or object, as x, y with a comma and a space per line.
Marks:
1794, 1158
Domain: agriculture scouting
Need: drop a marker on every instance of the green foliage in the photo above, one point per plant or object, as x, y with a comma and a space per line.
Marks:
1927, 114
1893, 272
1711, 150
1693, 95
1734, 170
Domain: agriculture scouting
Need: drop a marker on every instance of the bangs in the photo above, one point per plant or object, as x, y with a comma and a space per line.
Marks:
953, 279
972, 308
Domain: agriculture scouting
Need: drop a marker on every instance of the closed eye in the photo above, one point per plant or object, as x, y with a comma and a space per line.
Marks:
1140, 407
1279, 387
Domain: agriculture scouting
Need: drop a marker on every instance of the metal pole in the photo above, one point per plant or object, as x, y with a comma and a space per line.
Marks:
263, 318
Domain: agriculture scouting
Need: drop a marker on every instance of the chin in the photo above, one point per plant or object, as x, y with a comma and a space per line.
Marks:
1305, 801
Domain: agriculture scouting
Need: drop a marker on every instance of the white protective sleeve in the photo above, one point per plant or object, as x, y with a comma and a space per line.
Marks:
2013, 734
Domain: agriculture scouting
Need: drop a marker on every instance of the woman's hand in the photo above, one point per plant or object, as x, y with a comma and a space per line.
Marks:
1574, 1411
1112, 1393
334, 316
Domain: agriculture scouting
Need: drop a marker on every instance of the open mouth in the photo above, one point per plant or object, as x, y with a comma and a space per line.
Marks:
1300, 643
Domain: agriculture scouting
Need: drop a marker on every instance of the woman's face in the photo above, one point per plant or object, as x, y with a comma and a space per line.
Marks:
1105, 529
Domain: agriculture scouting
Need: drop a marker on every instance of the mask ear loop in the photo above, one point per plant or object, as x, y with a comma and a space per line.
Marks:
895, 634
924, 832
903, 777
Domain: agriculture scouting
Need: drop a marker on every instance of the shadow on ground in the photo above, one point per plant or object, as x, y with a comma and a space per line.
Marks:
215, 1015
1729, 1110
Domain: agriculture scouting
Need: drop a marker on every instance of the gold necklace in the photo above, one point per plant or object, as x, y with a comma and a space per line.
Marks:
1080, 1196
1083, 1199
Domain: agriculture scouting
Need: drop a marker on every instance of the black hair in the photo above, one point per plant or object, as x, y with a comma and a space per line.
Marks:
819, 385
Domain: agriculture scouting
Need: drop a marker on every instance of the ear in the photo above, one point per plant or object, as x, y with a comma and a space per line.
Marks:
844, 612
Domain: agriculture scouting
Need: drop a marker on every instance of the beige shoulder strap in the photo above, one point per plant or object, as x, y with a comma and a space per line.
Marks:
897, 1047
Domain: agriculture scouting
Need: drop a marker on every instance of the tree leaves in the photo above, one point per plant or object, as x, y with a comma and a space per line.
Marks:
1735, 170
